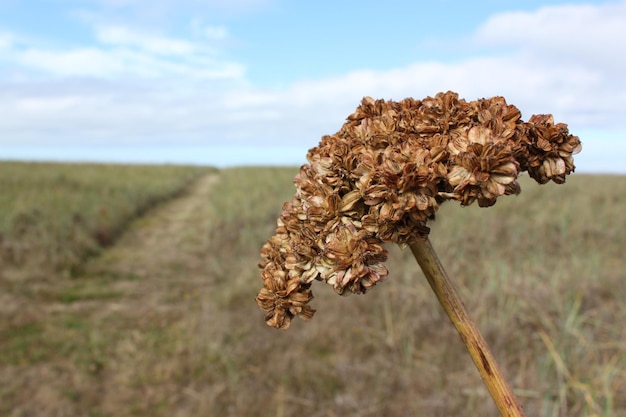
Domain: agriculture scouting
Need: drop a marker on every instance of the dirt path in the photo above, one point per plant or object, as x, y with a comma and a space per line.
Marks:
94, 333
159, 247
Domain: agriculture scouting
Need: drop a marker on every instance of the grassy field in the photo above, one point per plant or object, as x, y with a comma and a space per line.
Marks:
56, 215
164, 323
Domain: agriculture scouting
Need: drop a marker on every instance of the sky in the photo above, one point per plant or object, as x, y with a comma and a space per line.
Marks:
240, 82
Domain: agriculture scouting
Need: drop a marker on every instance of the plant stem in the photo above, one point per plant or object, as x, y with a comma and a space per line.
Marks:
452, 304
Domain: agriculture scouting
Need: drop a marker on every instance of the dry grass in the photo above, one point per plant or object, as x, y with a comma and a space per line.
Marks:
56, 215
542, 273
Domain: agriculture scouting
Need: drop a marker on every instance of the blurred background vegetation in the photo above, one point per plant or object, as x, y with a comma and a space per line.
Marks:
58, 214
542, 274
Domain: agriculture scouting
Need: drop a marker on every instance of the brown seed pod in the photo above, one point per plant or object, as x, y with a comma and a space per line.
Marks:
383, 175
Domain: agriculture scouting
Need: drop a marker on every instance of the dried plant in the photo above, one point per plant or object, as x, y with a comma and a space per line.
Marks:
381, 177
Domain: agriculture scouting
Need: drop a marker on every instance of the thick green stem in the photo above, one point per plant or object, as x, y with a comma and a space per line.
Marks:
452, 304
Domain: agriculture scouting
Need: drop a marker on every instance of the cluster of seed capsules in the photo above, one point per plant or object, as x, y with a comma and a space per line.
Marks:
383, 175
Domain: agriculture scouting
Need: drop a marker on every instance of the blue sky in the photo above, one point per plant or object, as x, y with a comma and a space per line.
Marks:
231, 82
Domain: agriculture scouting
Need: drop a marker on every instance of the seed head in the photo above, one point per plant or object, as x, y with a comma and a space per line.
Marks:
383, 175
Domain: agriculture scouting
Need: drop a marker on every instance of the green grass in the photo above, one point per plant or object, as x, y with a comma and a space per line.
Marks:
56, 215
82, 291
22, 345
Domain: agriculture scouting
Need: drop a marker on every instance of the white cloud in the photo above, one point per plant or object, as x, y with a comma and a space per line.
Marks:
122, 52
569, 34
79, 62
104, 63
565, 25
6, 40
215, 32
559, 60
159, 8
122, 36
575, 95
194, 3
51, 104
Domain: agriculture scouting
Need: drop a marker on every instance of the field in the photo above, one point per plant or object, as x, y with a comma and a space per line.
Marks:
163, 322
57, 215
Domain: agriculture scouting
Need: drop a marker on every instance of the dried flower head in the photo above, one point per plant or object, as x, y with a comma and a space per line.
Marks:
383, 175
